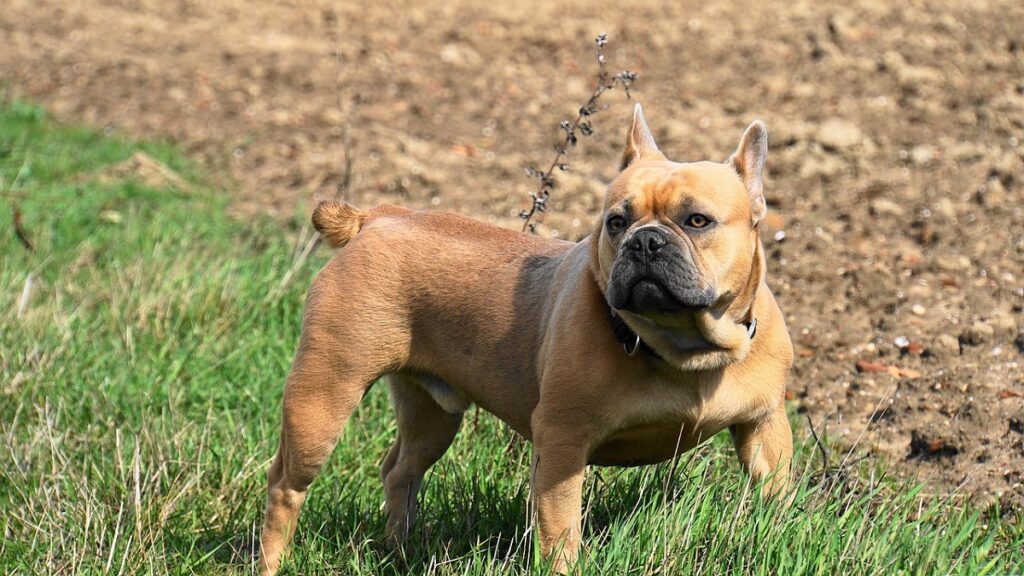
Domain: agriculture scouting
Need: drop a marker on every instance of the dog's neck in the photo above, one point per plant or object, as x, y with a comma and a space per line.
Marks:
632, 344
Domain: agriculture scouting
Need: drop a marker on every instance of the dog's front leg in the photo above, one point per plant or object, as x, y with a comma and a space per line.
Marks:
557, 485
765, 449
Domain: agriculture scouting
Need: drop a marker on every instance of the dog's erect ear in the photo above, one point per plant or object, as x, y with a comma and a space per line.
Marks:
639, 140
748, 160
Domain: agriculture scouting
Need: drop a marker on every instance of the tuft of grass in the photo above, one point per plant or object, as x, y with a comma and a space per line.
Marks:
140, 399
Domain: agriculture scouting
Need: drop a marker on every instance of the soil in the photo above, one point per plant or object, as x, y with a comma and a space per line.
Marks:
896, 185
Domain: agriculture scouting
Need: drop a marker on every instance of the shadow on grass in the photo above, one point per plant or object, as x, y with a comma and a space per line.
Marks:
458, 518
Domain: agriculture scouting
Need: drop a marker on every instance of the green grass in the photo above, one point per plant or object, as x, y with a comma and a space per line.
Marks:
139, 405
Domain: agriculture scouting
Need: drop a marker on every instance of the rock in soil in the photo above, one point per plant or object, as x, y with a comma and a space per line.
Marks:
945, 346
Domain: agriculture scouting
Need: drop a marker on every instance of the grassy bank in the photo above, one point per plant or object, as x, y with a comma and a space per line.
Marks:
140, 381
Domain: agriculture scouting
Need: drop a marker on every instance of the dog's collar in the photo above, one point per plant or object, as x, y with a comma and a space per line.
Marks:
632, 343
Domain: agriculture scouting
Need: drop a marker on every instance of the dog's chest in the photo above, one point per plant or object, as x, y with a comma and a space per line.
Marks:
659, 418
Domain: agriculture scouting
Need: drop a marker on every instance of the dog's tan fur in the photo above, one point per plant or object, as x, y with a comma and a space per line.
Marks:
458, 312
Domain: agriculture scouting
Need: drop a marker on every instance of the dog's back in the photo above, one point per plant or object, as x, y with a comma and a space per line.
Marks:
428, 279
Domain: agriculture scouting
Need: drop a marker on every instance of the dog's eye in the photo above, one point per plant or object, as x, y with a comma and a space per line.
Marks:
615, 223
697, 221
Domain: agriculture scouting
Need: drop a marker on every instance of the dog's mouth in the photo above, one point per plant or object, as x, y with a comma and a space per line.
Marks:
647, 294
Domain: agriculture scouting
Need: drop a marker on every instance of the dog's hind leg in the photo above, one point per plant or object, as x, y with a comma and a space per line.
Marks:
320, 395
425, 431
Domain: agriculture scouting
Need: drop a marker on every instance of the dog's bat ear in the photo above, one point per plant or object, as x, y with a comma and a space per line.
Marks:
748, 160
639, 140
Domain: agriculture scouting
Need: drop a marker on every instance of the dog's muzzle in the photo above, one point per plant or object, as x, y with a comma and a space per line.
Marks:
653, 273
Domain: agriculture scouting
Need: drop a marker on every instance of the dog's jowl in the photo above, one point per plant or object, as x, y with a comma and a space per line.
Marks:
647, 337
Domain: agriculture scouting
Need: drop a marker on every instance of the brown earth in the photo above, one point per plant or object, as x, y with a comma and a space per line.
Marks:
896, 157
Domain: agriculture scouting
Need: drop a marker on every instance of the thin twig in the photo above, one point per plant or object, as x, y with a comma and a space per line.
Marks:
344, 185
821, 447
582, 126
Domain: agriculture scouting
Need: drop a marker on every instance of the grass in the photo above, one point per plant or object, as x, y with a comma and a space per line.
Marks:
139, 409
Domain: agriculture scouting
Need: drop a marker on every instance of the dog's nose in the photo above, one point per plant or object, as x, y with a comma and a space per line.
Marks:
647, 241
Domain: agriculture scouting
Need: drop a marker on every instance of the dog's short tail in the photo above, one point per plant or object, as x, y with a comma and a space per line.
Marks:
338, 221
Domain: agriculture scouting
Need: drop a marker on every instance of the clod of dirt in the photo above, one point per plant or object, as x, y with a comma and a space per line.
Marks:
924, 445
839, 134
945, 346
978, 333
1016, 425
869, 366
991, 194
1006, 167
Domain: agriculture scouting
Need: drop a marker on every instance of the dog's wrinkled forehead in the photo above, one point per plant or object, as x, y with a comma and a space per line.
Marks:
667, 189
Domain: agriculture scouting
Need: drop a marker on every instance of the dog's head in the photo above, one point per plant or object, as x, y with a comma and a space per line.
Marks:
676, 250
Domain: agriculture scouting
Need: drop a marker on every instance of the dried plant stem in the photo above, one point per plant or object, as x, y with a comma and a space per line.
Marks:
581, 125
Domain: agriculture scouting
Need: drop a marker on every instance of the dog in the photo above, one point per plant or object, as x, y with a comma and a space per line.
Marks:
649, 336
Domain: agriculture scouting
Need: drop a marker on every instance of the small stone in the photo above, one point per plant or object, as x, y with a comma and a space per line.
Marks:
884, 207
978, 333
951, 263
901, 342
893, 60
918, 310
1004, 324
816, 166
944, 346
945, 207
1007, 166
922, 154
966, 152
919, 291
459, 55
839, 134
915, 77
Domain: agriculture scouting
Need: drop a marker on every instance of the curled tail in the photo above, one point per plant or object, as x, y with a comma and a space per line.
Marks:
337, 221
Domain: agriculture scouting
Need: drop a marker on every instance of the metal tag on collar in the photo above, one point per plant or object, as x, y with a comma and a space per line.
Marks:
636, 346
752, 328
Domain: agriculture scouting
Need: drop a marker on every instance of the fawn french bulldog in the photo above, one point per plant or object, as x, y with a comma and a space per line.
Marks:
644, 339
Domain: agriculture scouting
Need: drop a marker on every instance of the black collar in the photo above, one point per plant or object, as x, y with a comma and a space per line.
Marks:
632, 343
